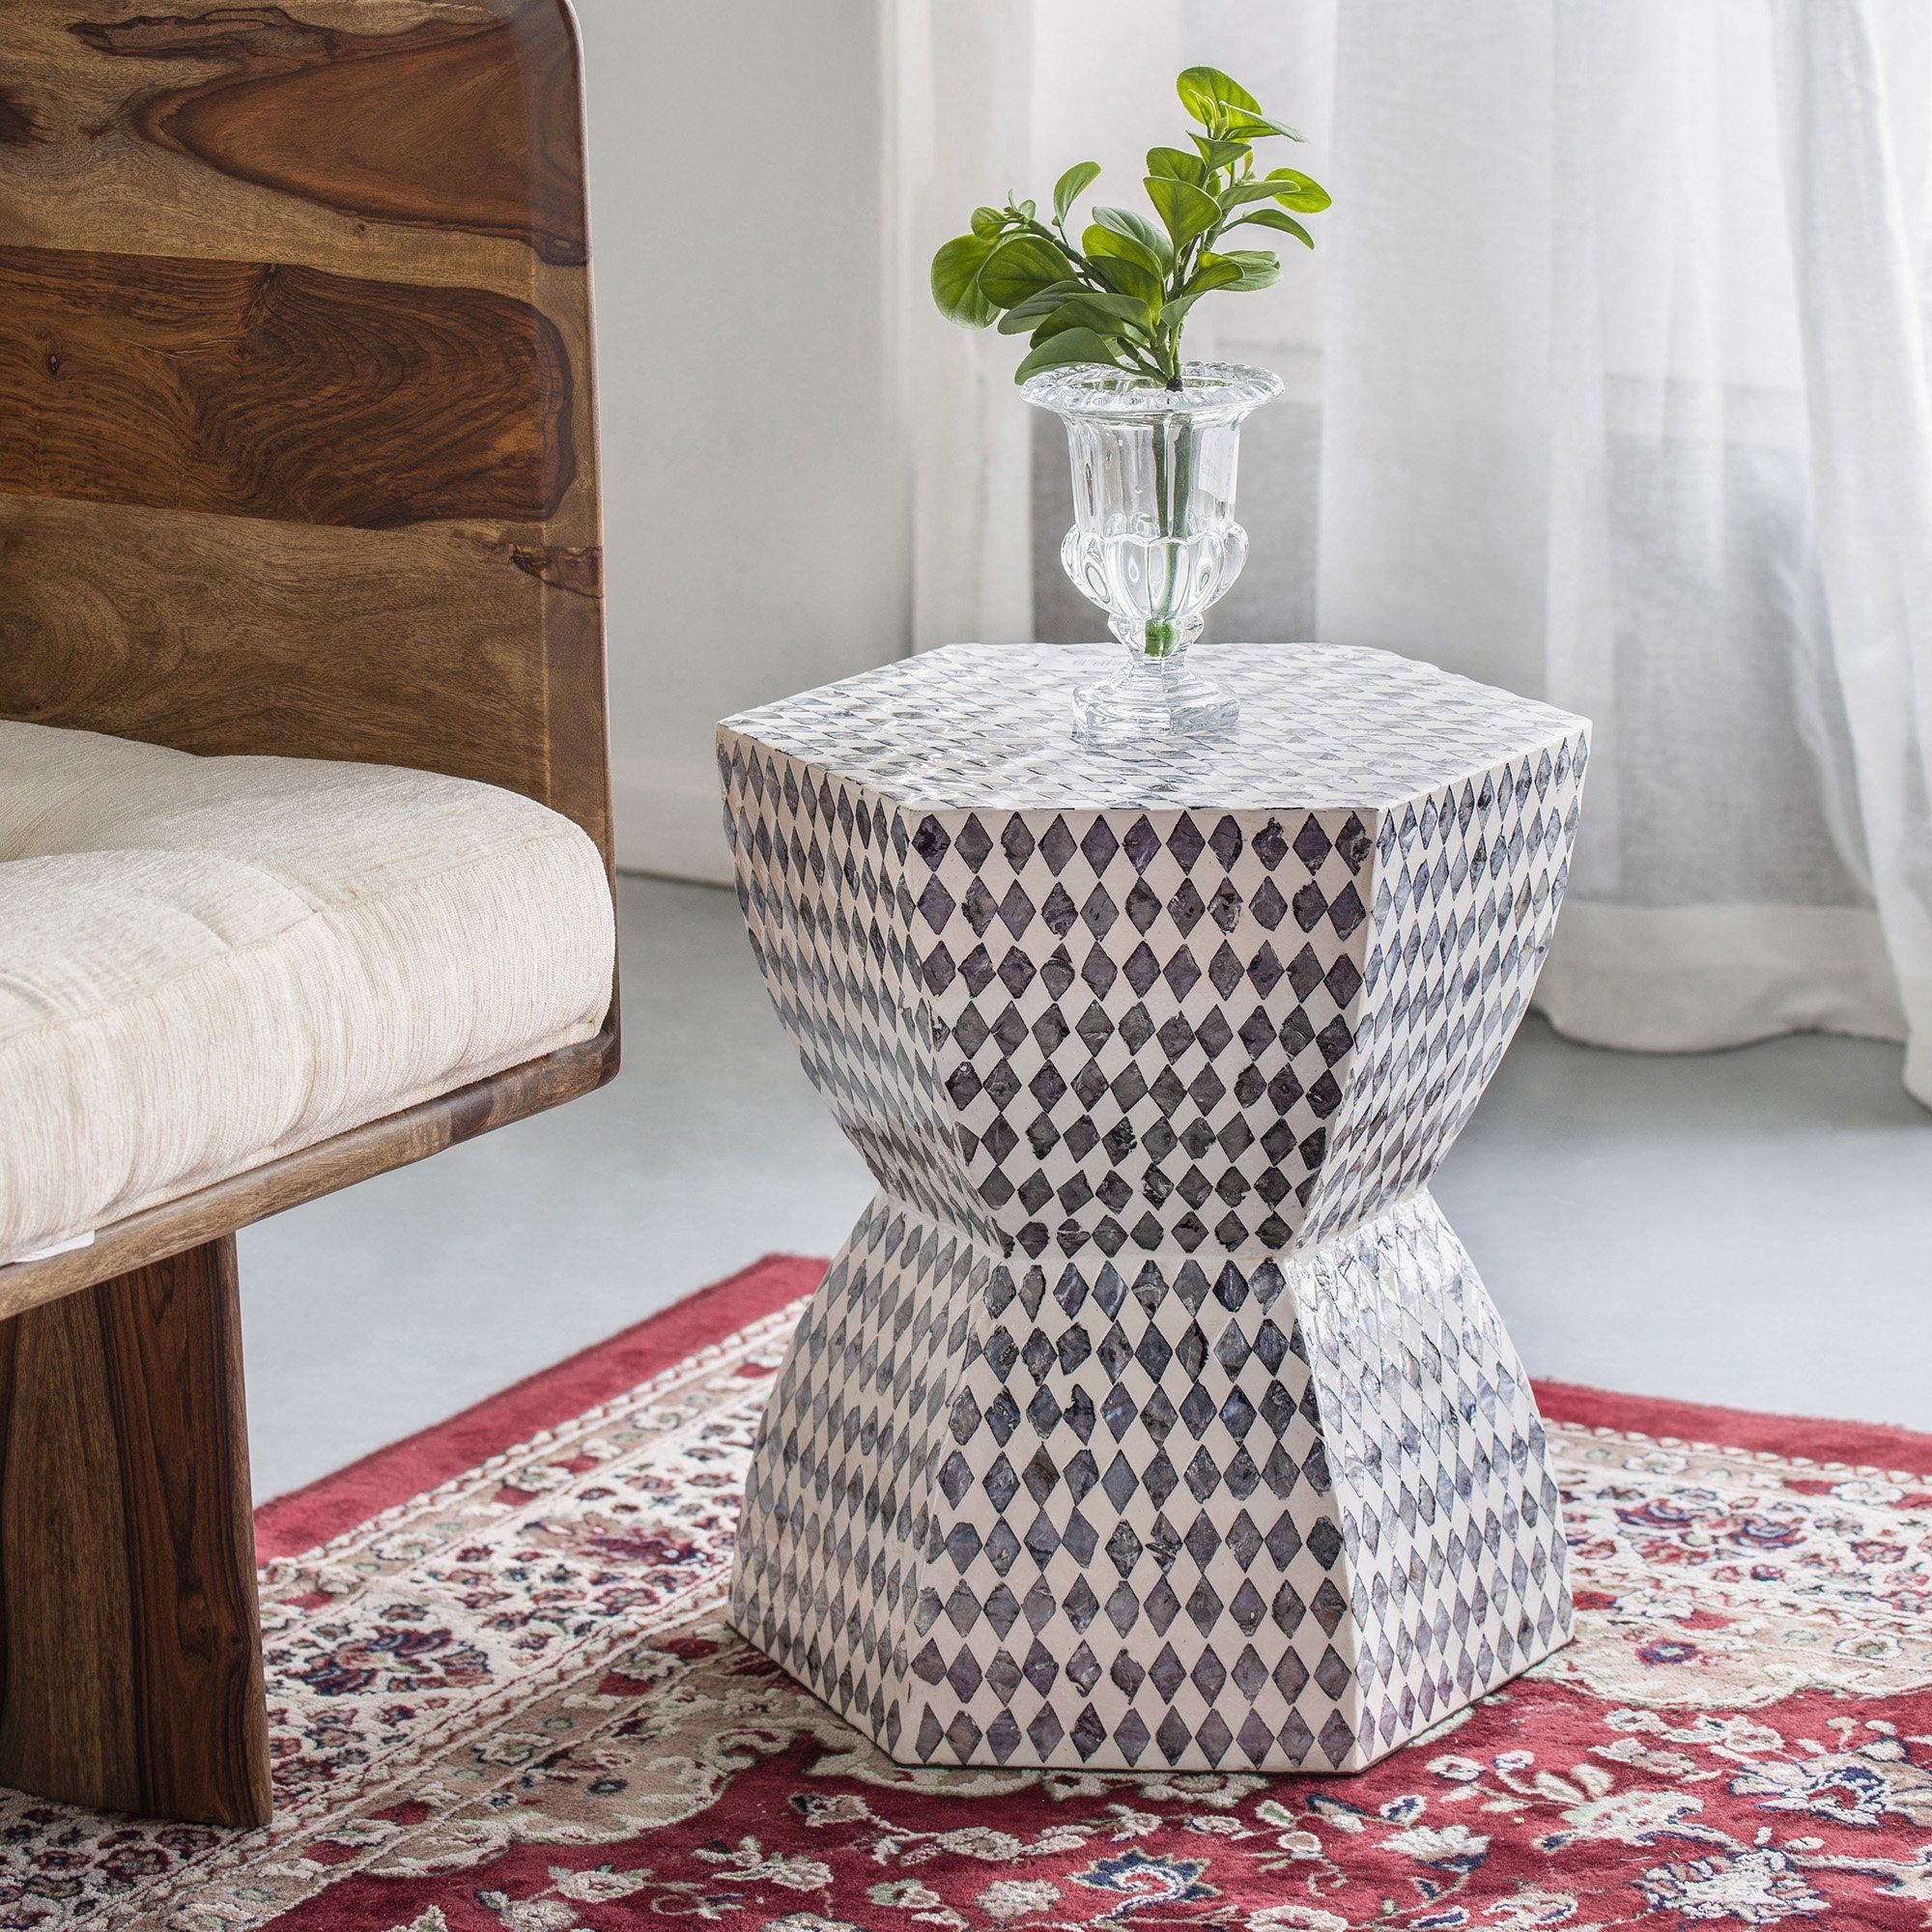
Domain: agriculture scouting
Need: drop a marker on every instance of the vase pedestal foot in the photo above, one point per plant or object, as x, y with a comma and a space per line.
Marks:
1153, 699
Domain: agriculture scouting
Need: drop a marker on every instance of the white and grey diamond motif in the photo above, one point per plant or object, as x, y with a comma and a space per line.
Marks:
1152, 1417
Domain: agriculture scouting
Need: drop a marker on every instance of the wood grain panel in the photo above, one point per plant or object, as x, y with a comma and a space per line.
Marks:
258, 391
17, 125
414, 647
90, 180
130, 1666
298, 489
462, 123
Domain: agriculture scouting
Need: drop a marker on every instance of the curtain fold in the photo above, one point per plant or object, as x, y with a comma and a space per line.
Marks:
961, 128
1612, 381
1854, 91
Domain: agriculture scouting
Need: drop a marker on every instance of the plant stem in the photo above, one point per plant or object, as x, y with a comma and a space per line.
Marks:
1145, 364
1173, 485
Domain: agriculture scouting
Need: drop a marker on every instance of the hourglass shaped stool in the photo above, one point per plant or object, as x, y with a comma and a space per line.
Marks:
1152, 1417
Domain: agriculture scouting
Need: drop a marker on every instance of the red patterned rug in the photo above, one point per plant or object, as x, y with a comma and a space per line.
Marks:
503, 1701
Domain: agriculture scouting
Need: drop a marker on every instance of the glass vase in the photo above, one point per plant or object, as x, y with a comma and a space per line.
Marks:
1154, 542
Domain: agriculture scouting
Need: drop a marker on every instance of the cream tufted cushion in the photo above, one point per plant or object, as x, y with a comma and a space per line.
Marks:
209, 962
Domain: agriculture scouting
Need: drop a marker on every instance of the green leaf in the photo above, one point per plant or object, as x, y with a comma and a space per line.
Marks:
1060, 321
987, 222
1216, 272
955, 281
1020, 318
1021, 265
1072, 184
1187, 210
1127, 272
1070, 345
1299, 191
1259, 269
1177, 166
1219, 154
1250, 127
1251, 187
1128, 226
1104, 315
1273, 218
1211, 97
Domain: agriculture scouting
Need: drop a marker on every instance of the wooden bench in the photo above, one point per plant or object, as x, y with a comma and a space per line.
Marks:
297, 458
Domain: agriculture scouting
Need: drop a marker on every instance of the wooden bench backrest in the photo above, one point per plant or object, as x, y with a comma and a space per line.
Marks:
297, 426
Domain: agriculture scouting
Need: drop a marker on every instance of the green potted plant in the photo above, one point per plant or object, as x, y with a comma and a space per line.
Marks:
1154, 439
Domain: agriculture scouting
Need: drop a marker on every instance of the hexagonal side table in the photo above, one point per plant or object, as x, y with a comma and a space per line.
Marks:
1152, 1417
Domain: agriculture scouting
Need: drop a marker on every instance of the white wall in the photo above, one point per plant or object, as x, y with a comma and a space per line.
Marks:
755, 491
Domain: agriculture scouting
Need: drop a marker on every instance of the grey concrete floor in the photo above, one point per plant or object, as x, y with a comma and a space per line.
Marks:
1751, 1228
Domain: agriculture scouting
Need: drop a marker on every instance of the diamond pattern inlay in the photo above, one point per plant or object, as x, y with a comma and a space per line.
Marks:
1152, 1417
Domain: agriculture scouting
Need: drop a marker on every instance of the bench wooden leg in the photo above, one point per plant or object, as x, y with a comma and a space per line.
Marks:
130, 1650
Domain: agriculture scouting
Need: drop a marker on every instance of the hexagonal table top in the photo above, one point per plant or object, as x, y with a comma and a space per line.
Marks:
988, 725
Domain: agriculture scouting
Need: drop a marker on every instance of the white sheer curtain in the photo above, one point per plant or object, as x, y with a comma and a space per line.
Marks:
1612, 381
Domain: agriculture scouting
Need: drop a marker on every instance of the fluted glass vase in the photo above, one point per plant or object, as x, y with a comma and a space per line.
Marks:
1154, 542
